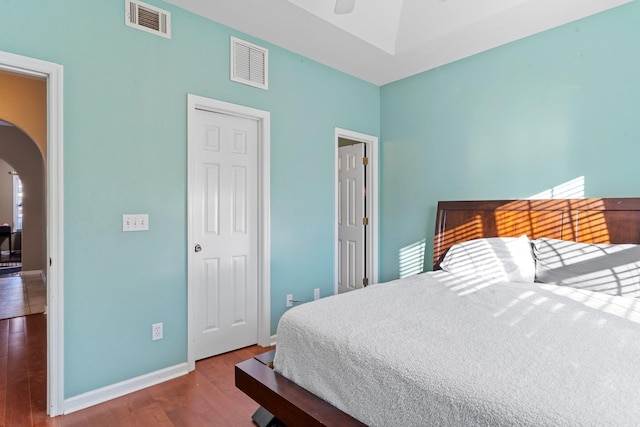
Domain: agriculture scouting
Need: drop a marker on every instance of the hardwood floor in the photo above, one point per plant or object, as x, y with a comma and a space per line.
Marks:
205, 397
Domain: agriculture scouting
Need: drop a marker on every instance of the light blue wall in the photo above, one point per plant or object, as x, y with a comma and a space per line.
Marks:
510, 123
125, 94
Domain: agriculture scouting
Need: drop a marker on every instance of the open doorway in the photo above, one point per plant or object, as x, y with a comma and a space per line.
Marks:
23, 150
356, 210
47, 138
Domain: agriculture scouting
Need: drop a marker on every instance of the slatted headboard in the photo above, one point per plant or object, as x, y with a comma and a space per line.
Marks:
580, 220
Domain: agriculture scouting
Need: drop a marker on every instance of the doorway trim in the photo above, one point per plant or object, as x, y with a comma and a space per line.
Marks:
264, 215
372, 201
53, 73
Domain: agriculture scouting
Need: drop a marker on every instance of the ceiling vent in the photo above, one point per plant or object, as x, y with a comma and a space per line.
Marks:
249, 64
147, 18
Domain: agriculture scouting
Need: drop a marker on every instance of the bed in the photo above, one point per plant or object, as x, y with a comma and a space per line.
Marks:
478, 341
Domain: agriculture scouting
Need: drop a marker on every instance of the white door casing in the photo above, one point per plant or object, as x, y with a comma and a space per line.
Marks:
371, 236
228, 211
351, 211
53, 73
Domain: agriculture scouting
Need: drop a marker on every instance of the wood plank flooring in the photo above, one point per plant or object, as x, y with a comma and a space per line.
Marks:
205, 397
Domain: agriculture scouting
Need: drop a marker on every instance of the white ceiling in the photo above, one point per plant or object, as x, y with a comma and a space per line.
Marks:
382, 41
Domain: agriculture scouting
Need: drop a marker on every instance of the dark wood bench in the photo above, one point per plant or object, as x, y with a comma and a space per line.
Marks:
290, 404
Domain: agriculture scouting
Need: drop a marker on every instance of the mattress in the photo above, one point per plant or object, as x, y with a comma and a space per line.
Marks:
433, 349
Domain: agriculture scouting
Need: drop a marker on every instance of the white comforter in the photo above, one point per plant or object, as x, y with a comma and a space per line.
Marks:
432, 350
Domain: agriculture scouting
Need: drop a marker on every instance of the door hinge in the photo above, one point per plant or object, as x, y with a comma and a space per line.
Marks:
365, 221
365, 161
365, 281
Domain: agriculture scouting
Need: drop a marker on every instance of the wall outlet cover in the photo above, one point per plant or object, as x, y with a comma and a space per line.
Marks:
156, 331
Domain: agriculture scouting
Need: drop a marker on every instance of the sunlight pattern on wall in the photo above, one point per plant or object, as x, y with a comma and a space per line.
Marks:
412, 258
573, 189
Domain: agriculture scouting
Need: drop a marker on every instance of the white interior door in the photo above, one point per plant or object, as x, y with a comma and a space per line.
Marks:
351, 212
224, 159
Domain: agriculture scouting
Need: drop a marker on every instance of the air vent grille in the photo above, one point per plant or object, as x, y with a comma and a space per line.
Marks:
249, 64
147, 18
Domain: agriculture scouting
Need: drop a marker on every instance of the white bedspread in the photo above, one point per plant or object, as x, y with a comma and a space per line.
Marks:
431, 350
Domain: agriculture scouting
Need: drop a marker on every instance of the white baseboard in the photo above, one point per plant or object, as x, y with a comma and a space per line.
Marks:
273, 339
104, 394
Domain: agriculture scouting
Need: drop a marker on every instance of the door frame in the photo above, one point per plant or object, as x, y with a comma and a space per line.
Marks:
372, 202
264, 214
53, 73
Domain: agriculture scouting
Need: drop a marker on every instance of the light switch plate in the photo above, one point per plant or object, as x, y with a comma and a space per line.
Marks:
135, 222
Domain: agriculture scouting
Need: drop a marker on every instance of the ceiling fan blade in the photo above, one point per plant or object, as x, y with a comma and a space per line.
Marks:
344, 6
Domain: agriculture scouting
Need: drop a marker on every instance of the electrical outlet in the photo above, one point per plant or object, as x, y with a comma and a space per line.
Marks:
156, 331
290, 300
316, 293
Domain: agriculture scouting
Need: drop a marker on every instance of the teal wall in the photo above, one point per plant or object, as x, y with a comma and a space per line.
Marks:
510, 123
125, 112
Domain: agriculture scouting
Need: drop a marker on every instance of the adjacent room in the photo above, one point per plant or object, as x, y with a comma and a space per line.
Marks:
175, 175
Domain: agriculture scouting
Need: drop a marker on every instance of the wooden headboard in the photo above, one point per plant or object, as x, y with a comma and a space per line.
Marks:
579, 220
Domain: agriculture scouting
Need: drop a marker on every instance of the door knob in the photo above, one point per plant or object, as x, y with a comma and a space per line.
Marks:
198, 248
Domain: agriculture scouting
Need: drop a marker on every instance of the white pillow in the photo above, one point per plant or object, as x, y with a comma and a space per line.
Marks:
496, 259
612, 269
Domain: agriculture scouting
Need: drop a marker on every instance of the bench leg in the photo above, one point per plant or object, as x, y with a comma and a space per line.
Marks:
264, 418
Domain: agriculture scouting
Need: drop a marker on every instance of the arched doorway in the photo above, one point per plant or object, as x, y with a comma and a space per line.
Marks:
22, 224
20, 151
